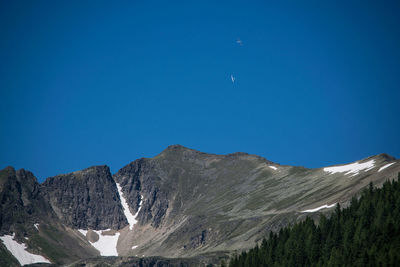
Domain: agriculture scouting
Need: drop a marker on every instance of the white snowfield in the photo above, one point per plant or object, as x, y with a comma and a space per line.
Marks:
353, 168
107, 244
36, 226
387, 165
83, 232
129, 216
273, 167
19, 251
320, 208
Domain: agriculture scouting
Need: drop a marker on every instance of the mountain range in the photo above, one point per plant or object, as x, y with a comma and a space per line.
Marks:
180, 207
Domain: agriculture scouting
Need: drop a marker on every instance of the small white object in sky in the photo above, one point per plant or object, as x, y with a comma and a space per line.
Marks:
353, 168
273, 167
319, 208
387, 165
233, 78
19, 251
239, 42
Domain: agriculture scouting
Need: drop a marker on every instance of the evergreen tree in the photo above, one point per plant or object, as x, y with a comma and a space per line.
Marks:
367, 233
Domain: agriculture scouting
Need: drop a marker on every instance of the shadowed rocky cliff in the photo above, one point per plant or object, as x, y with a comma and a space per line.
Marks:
86, 199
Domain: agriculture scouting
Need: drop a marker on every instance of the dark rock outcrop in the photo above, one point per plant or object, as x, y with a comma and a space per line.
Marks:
191, 204
21, 202
142, 178
86, 199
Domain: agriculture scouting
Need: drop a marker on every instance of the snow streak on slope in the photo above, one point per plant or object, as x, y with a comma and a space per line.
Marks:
19, 251
36, 226
387, 165
107, 244
129, 216
273, 167
320, 208
83, 232
353, 168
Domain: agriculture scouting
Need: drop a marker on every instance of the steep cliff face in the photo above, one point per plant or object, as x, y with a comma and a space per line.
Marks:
143, 178
27, 216
86, 199
21, 201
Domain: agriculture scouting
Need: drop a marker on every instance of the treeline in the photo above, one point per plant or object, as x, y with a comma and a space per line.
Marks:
367, 233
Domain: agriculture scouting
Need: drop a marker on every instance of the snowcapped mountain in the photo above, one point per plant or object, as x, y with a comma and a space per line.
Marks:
181, 204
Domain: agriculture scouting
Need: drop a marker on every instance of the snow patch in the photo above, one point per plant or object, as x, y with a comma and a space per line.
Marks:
320, 208
129, 216
273, 167
353, 168
134, 247
107, 244
19, 251
83, 232
36, 226
387, 165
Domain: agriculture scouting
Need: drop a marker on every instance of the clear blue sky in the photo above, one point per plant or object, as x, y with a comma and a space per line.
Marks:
92, 82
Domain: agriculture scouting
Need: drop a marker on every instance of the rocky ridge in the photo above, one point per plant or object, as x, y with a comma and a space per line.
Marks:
86, 199
187, 204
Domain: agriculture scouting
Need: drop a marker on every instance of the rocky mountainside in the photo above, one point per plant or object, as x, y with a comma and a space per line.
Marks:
28, 217
195, 203
180, 204
21, 201
86, 199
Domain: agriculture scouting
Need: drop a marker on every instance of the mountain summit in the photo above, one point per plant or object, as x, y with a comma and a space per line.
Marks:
181, 203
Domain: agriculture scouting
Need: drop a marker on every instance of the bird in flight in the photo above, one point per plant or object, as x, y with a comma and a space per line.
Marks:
232, 78
239, 42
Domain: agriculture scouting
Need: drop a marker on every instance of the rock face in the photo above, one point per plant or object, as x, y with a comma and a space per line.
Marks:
142, 177
25, 213
86, 199
190, 204
21, 201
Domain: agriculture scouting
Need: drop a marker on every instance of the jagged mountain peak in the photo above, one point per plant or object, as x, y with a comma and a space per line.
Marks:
86, 199
9, 169
85, 173
185, 202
